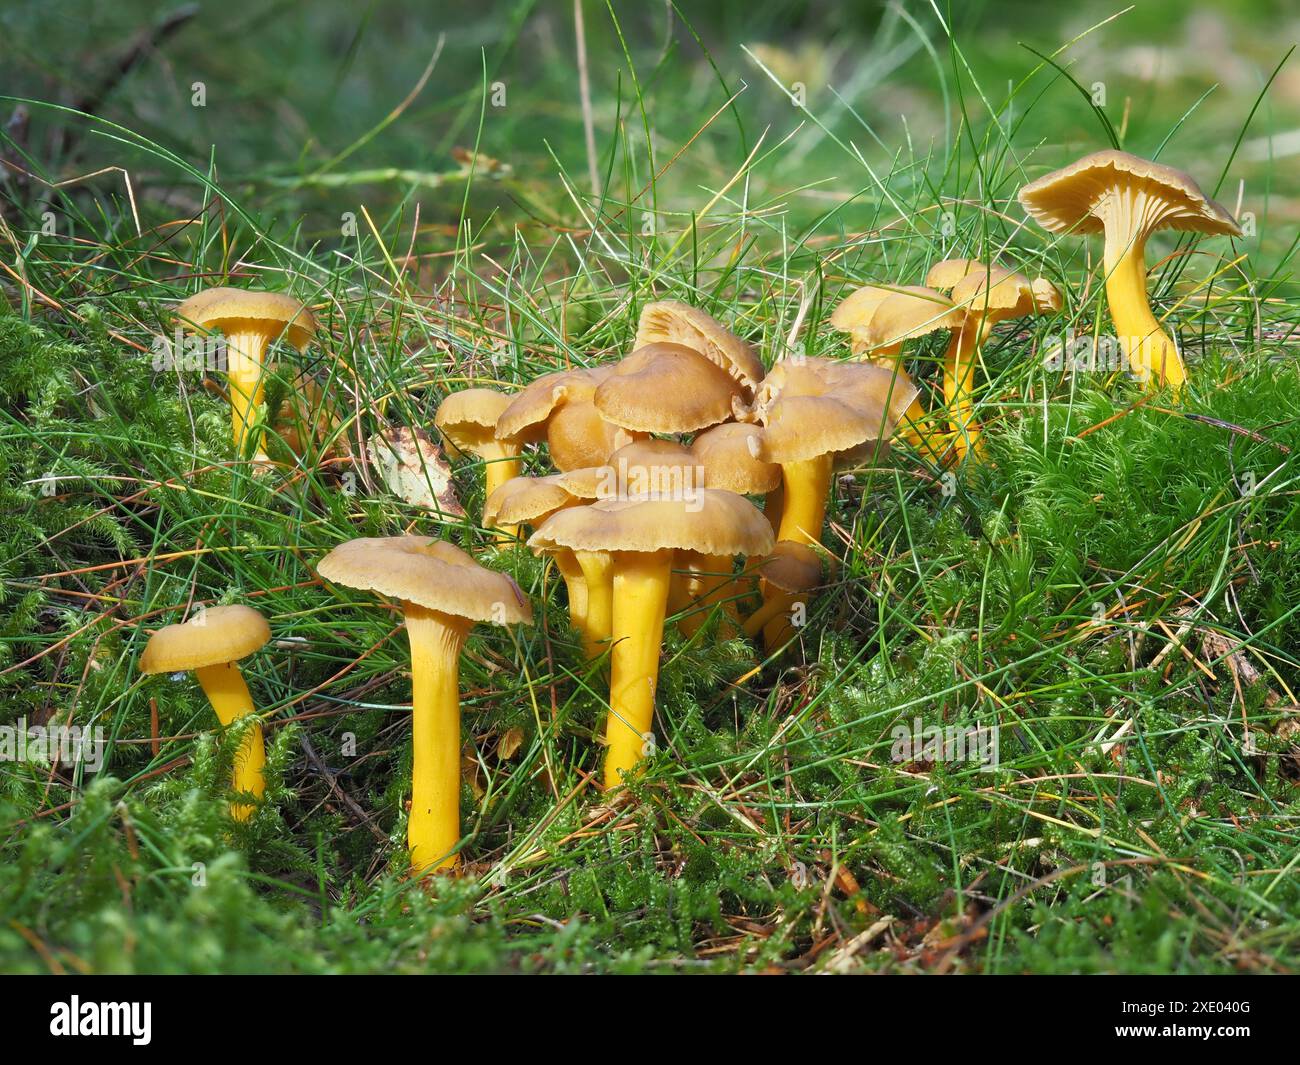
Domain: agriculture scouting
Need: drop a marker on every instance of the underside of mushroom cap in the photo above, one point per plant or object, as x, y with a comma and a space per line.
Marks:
428, 572
730, 456
468, 419
236, 310
214, 636
911, 312
713, 523
673, 322
810, 407
1077, 197
666, 388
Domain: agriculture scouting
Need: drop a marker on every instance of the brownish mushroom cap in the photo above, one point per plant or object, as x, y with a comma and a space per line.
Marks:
531, 500
430, 573
213, 637
945, 275
559, 408
666, 388
730, 456
672, 322
911, 312
237, 310
467, 420
998, 293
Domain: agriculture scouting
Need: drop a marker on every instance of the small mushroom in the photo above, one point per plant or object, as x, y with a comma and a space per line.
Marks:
250, 321
530, 501
787, 575
558, 408
1126, 199
467, 420
211, 643
443, 592
641, 537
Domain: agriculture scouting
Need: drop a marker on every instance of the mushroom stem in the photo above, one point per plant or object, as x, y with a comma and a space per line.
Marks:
244, 371
958, 378
500, 463
773, 505
225, 688
433, 829
708, 583
576, 584
804, 510
1151, 355
641, 581
598, 570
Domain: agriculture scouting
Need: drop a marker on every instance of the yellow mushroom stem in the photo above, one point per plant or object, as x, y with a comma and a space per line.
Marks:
707, 581
433, 829
1151, 354
641, 581
225, 688
803, 512
598, 571
910, 427
245, 373
773, 504
501, 462
575, 582
774, 618
959, 364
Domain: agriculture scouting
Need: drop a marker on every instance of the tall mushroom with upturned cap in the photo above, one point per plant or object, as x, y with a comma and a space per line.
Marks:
443, 592
1126, 199
250, 321
211, 644
558, 408
530, 501
641, 537
468, 422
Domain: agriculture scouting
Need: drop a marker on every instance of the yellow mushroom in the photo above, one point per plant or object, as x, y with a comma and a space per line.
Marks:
250, 321
467, 421
787, 576
666, 388
640, 537
443, 592
1126, 199
672, 322
558, 408
211, 644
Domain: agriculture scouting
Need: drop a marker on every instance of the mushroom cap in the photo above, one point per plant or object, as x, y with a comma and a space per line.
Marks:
233, 310
729, 454
673, 322
856, 309
526, 415
995, 292
468, 419
911, 312
217, 635
430, 573
1074, 197
791, 567
945, 275
714, 523
578, 436
811, 406
666, 388
635, 470
528, 500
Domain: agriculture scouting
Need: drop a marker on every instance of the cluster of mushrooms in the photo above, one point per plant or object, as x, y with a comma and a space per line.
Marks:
659, 465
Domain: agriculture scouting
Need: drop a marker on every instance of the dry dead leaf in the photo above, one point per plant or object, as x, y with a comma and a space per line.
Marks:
411, 466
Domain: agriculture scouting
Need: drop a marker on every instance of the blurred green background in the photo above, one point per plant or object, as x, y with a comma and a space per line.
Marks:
295, 90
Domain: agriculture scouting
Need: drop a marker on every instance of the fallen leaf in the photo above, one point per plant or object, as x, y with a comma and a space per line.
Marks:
412, 467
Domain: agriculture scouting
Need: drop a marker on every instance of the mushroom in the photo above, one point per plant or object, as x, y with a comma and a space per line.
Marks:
530, 501
985, 296
729, 456
443, 592
249, 321
813, 410
672, 322
467, 420
211, 643
641, 536
909, 313
666, 388
558, 408
1126, 199
791, 571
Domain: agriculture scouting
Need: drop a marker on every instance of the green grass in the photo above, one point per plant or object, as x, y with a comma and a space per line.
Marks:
1124, 567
